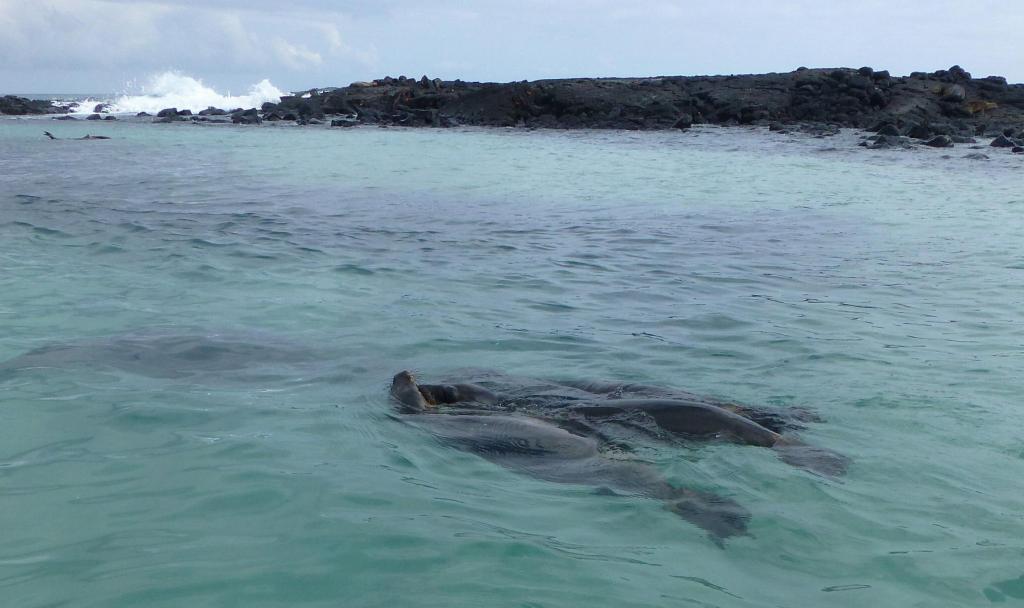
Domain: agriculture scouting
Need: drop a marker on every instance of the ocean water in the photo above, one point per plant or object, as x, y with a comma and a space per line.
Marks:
216, 313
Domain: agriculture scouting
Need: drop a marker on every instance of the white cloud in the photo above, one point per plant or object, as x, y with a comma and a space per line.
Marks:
295, 56
305, 43
68, 34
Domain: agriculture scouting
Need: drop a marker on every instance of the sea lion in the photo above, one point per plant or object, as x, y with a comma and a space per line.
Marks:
543, 450
596, 407
51, 136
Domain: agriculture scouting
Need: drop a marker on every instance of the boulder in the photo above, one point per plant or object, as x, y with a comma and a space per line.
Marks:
101, 107
94, 117
343, 122
167, 113
66, 117
1017, 149
920, 132
248, 117
141, 114
212, 111
888, 129
958, 73
185, 112
1003, 142
110, 118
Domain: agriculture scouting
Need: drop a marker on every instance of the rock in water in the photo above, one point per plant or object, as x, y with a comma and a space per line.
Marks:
920, 132
1003, 142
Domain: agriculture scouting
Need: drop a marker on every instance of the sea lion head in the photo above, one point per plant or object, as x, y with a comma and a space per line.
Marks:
405, 390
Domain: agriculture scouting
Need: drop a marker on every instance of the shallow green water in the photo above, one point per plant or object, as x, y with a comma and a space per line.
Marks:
233, 303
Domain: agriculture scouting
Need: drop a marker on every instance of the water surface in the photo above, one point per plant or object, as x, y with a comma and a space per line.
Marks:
224, 308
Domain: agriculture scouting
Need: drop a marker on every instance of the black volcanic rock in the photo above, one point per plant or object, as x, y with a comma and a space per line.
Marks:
246, 117
888, 129
20, 106
923, 105
167, 113
920, 132
1003, 142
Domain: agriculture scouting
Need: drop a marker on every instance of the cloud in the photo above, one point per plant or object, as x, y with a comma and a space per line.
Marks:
295, 56
304, 43
156, 35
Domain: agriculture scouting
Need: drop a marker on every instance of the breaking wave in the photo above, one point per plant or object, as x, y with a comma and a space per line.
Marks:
174, 90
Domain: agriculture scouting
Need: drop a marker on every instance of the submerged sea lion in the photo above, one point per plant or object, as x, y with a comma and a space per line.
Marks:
51, 136
600, 408
171, 354
544, 450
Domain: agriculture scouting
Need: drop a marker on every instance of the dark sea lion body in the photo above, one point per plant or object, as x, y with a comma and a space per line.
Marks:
545, 451
599, 408
684, 418
51, 136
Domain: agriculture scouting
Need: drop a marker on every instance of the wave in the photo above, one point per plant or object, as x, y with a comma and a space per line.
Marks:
175, 90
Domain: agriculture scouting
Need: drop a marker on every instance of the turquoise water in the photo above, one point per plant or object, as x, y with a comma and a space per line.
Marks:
230, 305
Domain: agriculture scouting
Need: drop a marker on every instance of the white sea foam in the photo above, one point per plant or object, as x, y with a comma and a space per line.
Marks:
174, 90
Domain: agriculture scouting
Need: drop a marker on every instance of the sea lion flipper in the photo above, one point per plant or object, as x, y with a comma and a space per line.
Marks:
811, 458
720, 516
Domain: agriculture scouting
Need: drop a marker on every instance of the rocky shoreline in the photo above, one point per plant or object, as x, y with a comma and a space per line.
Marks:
937, 109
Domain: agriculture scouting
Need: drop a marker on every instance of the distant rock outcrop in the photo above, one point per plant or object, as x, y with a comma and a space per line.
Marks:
937, 109
20, 106
922, 106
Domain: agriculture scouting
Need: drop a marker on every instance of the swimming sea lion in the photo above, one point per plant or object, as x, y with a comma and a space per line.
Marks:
51, 136
655, 411
543, 450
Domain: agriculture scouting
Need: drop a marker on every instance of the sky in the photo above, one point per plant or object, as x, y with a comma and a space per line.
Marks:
113, 46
